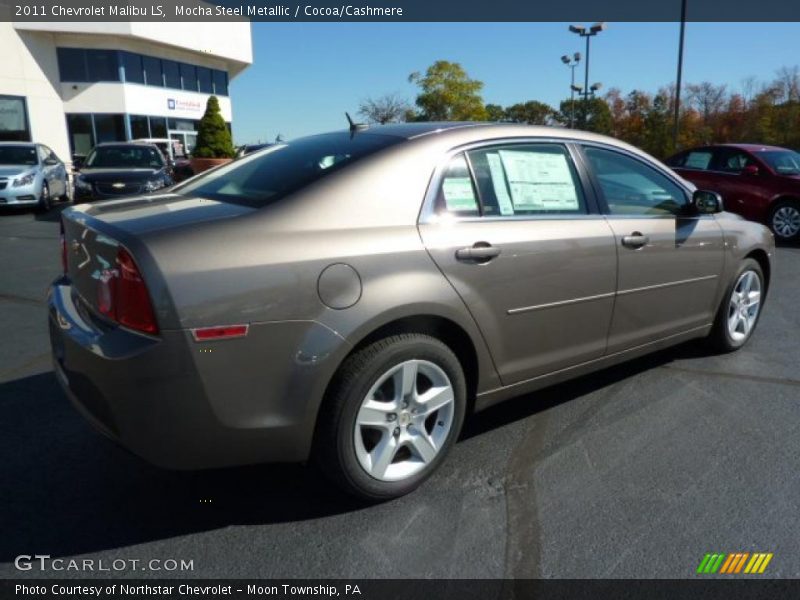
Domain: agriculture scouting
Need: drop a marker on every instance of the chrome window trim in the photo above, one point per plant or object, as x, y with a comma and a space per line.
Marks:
427, 214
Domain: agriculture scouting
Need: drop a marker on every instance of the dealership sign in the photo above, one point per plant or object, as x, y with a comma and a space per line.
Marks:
189, 108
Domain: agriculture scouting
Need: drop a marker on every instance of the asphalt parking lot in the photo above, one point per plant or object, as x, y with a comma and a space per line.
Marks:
637, 471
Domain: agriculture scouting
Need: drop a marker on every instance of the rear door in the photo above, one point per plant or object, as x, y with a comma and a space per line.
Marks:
517, 235
669, 258
743, 193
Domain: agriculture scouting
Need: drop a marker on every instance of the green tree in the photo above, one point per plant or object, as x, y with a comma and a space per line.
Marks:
213, 137
593, 114
448, 94
495, 112
532, 112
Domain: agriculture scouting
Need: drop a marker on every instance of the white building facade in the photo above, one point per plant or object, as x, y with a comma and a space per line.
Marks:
73, 85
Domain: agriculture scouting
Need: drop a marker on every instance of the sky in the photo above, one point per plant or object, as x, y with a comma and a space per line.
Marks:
304, 76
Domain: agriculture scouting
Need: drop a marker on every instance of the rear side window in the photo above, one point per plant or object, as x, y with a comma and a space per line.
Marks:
263, 178
511, 181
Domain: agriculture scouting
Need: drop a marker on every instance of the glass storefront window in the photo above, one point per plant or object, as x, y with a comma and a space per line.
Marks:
172, 74
158, 127
189, 77
220, 83
204, 79
139, 127
81, 133
103, 65
152, 71
134, 72
109, 128
14, 120
72, 64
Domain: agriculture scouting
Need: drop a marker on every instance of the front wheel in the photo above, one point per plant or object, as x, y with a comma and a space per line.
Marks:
44, 199
740, 308
393, 412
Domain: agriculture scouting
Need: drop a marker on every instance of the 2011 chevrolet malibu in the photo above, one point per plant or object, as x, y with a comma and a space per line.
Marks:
350, 297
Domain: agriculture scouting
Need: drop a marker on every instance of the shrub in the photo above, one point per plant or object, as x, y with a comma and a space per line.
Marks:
213, 138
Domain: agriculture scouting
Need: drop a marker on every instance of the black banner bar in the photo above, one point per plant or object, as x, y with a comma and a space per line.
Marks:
397, 10
415, 589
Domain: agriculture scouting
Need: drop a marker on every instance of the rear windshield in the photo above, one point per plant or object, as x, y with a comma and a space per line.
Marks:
785, 162
266, 176
18, 155
124, 157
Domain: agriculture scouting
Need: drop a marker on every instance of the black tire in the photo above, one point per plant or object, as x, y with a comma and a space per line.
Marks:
781, 215
720, 338
44, 199
335, 447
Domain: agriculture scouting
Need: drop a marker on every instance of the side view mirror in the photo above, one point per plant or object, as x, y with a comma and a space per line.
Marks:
706, 203
49, 162
77, 163
750, 170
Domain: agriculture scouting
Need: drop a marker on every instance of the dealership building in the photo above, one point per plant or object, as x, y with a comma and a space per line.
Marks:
73, 85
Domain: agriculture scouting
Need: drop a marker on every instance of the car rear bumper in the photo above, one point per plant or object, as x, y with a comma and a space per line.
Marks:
187, 405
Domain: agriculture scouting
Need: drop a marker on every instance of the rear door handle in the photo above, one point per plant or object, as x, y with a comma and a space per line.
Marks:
635, 240
480, 252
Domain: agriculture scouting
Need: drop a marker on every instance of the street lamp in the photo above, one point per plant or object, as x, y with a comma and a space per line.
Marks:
572, 62
588, 33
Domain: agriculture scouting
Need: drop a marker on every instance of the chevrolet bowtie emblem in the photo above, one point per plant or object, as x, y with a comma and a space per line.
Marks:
118, 185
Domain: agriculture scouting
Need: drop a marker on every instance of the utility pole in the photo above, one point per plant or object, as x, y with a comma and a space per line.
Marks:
678, 82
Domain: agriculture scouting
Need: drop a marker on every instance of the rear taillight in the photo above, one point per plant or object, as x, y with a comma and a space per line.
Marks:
122, 295
63, 249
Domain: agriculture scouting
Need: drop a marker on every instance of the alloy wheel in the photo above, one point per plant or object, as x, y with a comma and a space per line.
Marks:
404, 420
744, 305
786, 221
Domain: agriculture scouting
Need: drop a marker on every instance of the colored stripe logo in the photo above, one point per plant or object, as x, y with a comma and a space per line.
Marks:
734, 563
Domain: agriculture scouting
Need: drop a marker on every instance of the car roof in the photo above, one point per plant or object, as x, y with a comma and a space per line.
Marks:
17, 143
740, 146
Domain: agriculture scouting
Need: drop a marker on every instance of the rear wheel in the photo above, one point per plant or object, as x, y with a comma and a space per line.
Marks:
740, 309
784, 220
394, 411
44, 199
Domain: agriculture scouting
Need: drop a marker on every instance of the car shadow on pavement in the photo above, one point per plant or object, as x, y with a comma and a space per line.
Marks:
67, 490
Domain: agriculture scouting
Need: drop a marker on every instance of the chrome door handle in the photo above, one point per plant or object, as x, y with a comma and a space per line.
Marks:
635, 240
480, 252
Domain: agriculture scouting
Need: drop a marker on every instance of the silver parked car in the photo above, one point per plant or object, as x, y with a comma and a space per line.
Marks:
349, 297
31, 175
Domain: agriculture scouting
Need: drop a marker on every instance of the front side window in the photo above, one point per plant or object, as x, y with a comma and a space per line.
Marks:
731, 160
784, 162
263, 178
124, 157
630, 187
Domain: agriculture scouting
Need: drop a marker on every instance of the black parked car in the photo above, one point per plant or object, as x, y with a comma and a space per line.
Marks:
121, 169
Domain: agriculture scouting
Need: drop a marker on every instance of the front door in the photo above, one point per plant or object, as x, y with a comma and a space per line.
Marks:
669, 259
512, 230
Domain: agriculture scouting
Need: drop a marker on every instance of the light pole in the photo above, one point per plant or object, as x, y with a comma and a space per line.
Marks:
588, 33
676, 125
572, 62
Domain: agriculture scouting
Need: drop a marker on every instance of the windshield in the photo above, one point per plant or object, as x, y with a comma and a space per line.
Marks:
784, 162
124, 157
18, 155
262, 178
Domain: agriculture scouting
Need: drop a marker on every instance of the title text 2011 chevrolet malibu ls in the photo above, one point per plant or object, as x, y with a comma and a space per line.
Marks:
348, 297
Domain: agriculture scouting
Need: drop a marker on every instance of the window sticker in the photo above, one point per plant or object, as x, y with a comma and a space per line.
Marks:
499, 184
458, 194
539, 180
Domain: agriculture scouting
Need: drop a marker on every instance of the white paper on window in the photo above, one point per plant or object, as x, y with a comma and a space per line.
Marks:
539, 180
458, 194
499, 184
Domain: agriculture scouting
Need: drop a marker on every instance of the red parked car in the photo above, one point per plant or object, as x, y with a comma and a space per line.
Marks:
761, 183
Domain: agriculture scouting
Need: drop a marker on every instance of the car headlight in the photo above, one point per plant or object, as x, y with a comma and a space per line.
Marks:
82, 184
154, 184
26, 179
